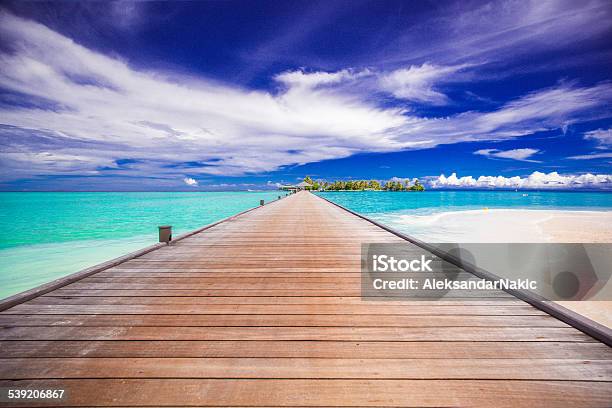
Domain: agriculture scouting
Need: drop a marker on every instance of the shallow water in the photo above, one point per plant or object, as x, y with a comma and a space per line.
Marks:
430, 202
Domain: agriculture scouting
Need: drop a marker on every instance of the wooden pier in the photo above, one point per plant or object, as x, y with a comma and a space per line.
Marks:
265, 310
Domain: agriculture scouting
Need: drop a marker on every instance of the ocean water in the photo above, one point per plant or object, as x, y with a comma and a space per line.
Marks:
467, 216
44, 236
432, 202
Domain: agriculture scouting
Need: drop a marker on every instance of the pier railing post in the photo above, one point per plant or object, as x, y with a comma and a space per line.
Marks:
165, 233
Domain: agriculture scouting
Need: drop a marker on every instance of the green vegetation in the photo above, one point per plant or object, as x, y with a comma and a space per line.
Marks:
363, 185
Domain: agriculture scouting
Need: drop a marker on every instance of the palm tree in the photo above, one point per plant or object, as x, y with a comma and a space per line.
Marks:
417, 186
360, 185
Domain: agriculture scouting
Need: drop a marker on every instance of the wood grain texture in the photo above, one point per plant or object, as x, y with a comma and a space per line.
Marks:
298, 333
320, 393
305, 349
264, 309
328, 368
304, 320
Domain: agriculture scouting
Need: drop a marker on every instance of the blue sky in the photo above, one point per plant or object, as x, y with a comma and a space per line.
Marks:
248, 94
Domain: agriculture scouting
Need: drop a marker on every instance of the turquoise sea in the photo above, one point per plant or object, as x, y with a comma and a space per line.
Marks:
48, 235
378, 203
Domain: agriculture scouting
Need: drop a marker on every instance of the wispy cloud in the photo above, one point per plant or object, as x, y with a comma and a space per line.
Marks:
513, 154
603, 137
591, 156
535, 180
418, 83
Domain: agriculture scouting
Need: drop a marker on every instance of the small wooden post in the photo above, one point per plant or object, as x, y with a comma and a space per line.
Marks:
165, 233
261, 202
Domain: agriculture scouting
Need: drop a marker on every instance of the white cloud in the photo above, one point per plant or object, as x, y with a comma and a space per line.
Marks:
417, 83
592, 156
300, 78
535, 180
270, 183
91, 110
514, 154
190, 181
603, 137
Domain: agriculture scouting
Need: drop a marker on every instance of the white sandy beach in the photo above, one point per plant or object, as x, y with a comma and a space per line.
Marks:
510, 225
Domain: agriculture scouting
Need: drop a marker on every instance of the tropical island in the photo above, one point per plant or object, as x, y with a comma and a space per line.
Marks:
356, 185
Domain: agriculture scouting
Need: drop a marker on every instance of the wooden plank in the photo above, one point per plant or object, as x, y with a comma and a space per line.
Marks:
279, 320
515, 310
353, 292
220, 274
297, 333
228, 274
314, 393
251, 272
328, 368
292, 292
234, 286
242, 281
304, 349
261, 300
